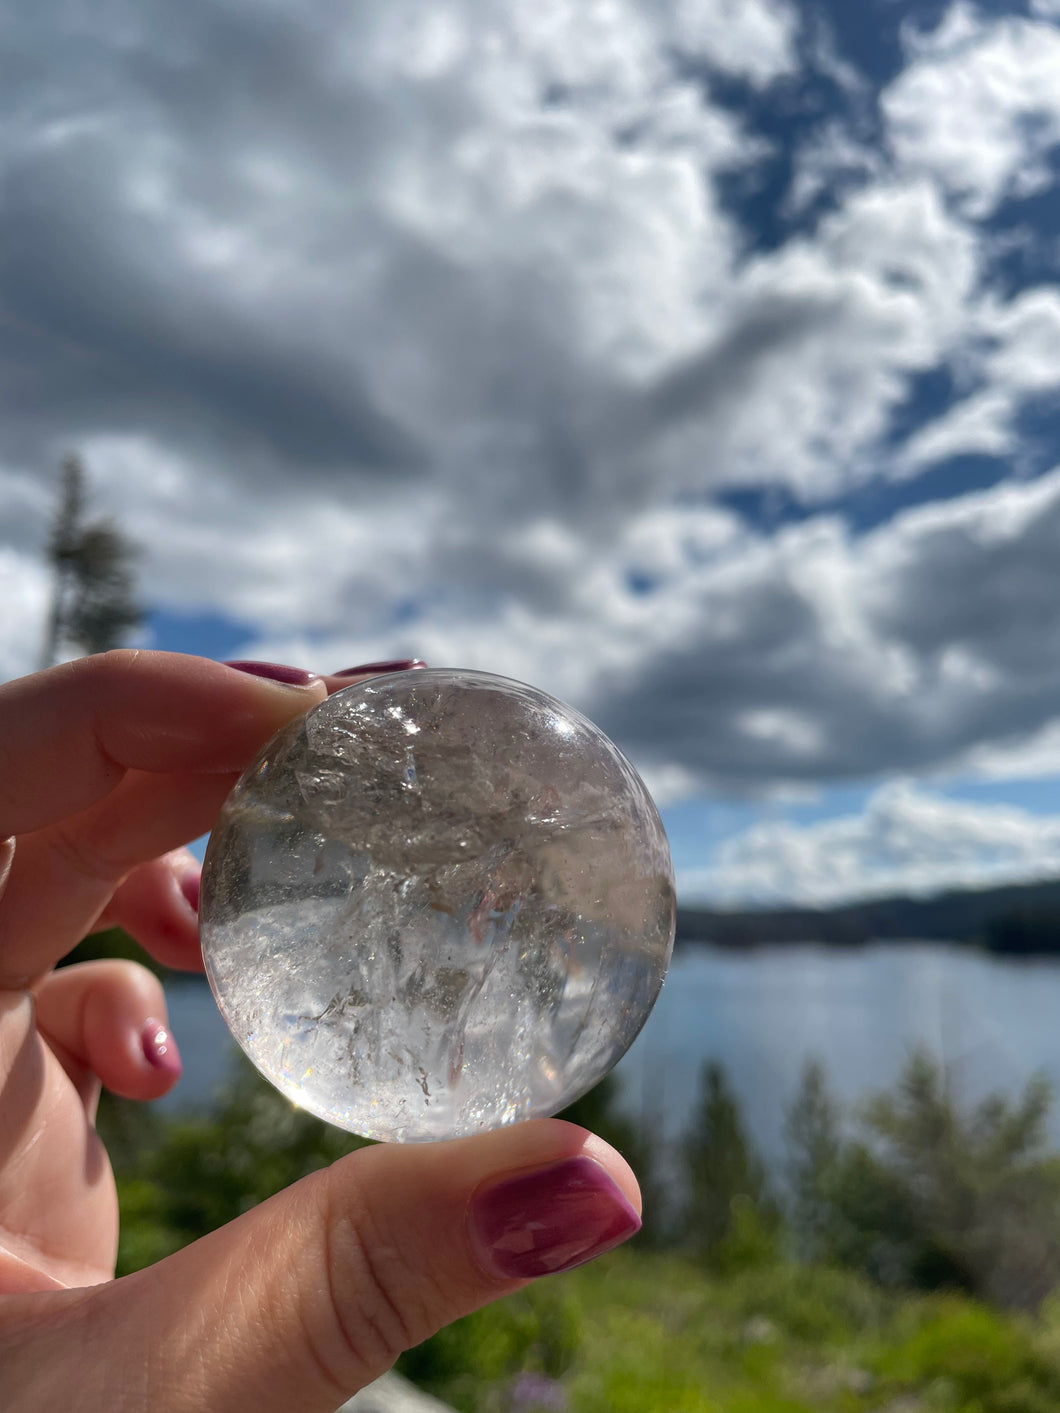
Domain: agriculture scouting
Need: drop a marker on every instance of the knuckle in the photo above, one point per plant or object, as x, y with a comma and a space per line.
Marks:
116, 662
120, 659
375, 1309
81, 855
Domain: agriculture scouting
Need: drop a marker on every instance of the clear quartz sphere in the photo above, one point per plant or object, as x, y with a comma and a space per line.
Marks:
439, 903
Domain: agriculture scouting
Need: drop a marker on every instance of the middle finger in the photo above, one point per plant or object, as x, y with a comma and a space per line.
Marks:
64, 876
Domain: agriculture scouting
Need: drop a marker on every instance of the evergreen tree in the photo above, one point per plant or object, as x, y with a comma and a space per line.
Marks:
725, 1178
93, 603
814, 1143
983, 1191
933, 1193
847, 1206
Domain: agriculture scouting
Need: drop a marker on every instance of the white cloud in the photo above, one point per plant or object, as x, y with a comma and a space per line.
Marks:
25, 594
1013, 354
724, 659
979, 424
906, 840
463, 265
426, 329
892, 274
1028, 757
978, 107
831, 156
718, 656
752, 38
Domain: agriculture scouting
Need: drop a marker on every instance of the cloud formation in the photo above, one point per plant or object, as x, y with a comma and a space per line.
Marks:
456, 327
906, 840
978, 107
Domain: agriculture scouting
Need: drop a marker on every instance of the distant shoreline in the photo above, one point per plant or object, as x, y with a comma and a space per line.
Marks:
1017, 920
1014, 920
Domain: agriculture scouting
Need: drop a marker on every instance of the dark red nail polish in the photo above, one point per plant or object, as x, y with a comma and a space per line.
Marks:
276, 672
160, 1049
404, 665
550, 1219
191, 887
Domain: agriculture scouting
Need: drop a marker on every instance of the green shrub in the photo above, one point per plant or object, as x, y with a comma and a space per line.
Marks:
472, 1362
988, 1361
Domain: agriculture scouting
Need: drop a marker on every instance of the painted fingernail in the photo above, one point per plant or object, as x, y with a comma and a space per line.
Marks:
403, 665
160, 1049
191, 887
550, 1219
276, 672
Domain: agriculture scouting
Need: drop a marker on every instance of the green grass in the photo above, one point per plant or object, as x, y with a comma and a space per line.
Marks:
644, 1333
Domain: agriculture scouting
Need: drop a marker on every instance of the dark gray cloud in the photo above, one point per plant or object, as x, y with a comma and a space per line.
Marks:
338, 332
114, 325
935, 635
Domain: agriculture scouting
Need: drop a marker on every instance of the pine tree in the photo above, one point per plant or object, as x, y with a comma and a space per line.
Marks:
724, 1174
983, 1190
814, 1144
929, 1192
93, 602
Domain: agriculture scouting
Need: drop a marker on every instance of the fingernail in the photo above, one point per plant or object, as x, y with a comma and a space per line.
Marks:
404, 665
191, 887
160, 1049
276, 672
550, 1220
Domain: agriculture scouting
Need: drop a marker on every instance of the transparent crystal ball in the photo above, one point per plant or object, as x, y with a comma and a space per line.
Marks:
439, 903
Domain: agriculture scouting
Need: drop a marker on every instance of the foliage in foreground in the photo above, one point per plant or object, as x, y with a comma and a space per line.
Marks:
861, 1284
643, 1332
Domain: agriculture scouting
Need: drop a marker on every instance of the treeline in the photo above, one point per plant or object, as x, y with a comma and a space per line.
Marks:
856, 1273
912, 1188
1017, 920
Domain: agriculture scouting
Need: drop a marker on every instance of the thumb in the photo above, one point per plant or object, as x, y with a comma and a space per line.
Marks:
313, 1294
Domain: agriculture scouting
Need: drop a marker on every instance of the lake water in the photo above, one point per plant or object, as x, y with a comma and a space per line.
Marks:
764, 1012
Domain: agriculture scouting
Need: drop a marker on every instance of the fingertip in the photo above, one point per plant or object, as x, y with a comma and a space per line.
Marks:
160, 1050
541, 1221
354, 676
410, 1236
614, 1164
129, 1043
540, 1141
187, 871
158, 904
109, 1018
277, 672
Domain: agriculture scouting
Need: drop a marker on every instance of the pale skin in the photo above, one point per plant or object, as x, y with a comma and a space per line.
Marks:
108, 767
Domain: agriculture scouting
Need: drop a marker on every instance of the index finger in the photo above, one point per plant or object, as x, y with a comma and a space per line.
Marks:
68, 735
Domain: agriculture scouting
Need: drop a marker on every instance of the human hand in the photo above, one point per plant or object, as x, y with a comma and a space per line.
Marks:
108, 766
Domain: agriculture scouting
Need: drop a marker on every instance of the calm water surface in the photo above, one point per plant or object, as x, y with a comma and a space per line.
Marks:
763, 1013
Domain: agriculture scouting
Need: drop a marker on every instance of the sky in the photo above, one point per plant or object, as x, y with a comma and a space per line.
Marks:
694, 360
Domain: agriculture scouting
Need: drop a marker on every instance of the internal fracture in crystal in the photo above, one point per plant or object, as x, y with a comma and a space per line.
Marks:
440, 903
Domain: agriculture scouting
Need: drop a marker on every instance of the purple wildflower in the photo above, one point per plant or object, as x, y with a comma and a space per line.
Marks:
537, 1393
